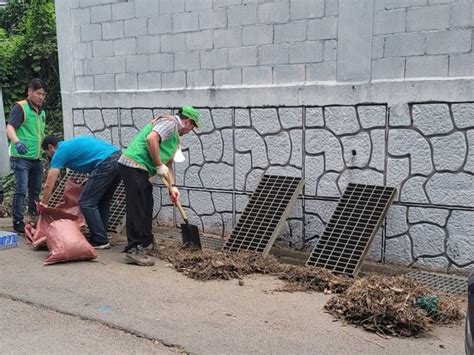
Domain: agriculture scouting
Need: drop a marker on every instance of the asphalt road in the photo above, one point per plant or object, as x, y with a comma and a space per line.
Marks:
95, 307
30, 329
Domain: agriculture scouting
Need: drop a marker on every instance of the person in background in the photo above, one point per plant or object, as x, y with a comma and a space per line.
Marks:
150, 153
25, 130
91, 156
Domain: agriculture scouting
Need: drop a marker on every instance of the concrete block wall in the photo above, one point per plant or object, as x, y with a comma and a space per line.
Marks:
201, 43
206, 43
4, 160
422, 39
292, 87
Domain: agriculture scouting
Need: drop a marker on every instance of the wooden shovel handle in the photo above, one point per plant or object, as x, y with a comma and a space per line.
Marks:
167, 182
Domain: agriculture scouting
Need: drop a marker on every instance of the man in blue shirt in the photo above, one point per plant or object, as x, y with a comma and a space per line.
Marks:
92, 156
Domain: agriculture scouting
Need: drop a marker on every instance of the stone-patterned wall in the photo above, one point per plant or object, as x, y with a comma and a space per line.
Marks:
430, 157
426, 150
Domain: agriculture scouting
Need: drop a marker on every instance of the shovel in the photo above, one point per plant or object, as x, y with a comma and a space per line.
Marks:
190, 232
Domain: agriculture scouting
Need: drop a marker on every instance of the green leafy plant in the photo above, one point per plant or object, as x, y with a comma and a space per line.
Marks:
28, 49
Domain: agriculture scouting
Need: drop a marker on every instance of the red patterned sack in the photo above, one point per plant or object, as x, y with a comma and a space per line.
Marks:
66, 243
70, 204
68, 209
37, 235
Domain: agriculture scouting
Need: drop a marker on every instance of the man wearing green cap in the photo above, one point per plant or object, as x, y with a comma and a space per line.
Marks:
150, 153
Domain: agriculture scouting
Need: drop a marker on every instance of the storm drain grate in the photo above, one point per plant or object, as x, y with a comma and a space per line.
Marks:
212, 243
58, 193
452, 284
117, 205
351, 229
264, 214
207, 241
117, 210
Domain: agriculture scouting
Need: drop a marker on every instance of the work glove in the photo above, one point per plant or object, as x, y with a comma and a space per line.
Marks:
162, 170
174, 194
21, 148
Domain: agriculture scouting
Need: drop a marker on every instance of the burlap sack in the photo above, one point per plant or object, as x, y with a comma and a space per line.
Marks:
66, 243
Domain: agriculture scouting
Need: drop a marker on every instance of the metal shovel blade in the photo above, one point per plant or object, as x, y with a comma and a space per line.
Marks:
190, 235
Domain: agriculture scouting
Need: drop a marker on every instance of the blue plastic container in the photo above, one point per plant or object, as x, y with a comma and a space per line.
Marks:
8, 240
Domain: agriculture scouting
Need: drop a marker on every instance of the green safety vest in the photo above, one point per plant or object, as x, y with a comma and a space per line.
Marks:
30, 133
138, 150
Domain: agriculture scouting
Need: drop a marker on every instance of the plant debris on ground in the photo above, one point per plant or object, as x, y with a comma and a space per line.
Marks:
386, 305
211, 265
381, 304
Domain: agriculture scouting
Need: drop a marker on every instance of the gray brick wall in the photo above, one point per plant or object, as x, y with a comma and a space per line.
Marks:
209, 42
411, 37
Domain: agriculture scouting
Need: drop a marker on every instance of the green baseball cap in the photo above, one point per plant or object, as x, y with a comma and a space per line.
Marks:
191, 113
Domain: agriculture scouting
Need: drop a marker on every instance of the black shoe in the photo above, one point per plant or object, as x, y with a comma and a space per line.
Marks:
100, 246
19, 226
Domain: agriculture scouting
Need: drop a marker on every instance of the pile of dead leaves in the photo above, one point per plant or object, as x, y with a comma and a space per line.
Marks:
313, 279
386, 305
210, 265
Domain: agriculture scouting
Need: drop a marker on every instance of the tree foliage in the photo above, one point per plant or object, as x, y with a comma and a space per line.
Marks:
28, 49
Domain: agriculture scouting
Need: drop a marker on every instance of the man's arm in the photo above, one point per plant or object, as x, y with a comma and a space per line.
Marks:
171, 173
153, 145
11, 133
49, 185
15, 120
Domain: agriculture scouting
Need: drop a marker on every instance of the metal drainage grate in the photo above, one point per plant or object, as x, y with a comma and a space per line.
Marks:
58, 193
351, 229
117, 205
212, 243
452, 284
117, 210
264, 214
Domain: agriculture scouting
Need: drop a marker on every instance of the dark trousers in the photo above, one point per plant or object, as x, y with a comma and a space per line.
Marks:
96, 196
139, 199
28, 176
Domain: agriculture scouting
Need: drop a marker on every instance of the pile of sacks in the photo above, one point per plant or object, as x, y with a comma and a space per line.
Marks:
59, 229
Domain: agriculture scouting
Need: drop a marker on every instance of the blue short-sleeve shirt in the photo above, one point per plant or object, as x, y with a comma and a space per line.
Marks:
82, 154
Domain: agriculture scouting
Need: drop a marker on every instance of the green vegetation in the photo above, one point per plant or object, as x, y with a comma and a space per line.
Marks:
28, 49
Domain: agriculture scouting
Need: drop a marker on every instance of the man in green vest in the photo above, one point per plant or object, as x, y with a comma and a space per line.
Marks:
25, 131
150, 153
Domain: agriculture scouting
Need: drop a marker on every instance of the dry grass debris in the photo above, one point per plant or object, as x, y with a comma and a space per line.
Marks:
313, 279
210, 265
386, 305
381, 304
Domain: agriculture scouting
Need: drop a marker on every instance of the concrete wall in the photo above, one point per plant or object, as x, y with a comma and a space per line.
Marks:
292, 87
4, 159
